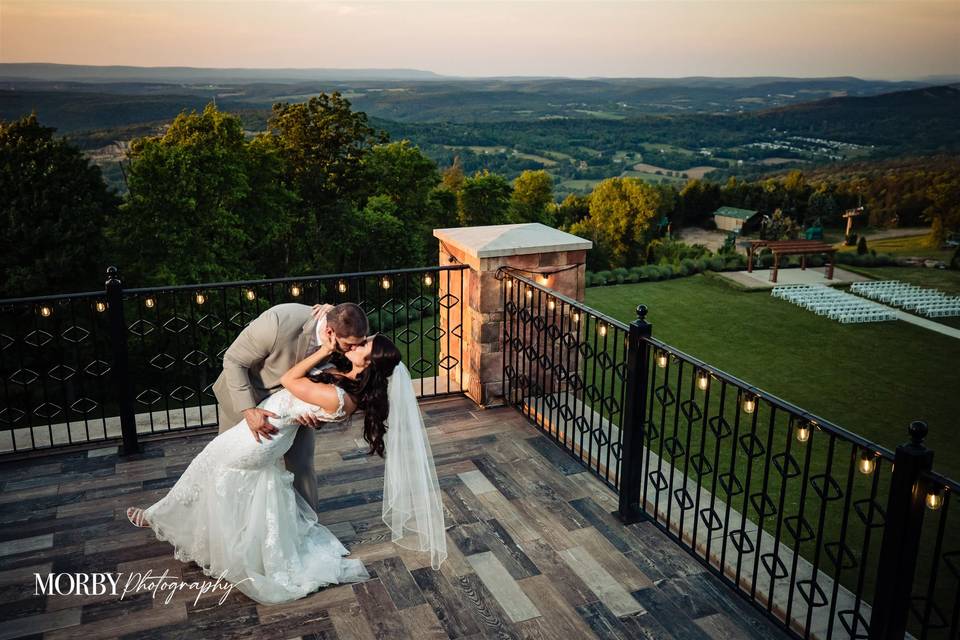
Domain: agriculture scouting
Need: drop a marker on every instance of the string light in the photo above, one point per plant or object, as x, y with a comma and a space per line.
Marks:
867, 463
200, 298
428, 280
46, 311
100, 306
551, 304
934, 498
749, 404
509, 283
529, 293
385, 283
703, 380
602, 329
295, 291
576, 317
250, 294
803, 432
662, 359
149, 303
342, 286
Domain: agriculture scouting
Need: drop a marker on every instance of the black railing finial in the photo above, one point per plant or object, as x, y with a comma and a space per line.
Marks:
642, 312
113, 275
918, 431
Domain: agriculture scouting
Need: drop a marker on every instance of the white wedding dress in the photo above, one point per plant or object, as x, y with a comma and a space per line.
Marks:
235, 510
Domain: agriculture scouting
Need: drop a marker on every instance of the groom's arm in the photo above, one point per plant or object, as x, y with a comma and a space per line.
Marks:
252, 346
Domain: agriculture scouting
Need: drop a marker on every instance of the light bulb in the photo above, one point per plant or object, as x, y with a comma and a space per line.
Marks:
867, 463
385, 283
602, 328
934, 498
749, 404
803, 432
703, 380
662, 360
295, 291
149, 303
46, 312
250, 294
428, 280
342, 286
101, 306
200, 298
551, 305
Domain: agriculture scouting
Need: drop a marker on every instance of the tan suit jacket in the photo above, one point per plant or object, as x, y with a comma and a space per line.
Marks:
265, 350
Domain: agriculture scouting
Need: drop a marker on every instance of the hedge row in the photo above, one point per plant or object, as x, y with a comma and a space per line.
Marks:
737, 262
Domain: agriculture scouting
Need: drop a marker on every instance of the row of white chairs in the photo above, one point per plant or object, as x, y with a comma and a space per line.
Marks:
836, 305
927, 301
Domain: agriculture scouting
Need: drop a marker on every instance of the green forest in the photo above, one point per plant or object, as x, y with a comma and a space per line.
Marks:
323, 188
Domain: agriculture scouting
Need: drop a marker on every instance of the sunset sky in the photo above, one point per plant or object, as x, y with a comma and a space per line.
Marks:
891, 39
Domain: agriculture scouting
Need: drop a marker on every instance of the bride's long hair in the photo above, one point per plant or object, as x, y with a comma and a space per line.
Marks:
369, 389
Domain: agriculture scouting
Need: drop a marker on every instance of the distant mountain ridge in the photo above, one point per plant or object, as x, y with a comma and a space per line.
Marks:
120, 73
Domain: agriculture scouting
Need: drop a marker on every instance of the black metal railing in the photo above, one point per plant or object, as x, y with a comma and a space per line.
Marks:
98, 366
818, 527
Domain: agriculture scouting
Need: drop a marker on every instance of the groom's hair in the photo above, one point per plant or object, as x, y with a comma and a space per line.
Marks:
348, 319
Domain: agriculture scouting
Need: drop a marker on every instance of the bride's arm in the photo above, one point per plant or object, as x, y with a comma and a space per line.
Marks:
296, 382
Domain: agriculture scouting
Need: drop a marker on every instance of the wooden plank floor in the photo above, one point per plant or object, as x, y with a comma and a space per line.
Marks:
533, 549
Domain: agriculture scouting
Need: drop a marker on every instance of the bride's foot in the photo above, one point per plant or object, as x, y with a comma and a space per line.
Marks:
135, 516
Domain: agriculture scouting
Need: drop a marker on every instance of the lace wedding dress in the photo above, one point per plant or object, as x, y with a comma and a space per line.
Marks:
235, 510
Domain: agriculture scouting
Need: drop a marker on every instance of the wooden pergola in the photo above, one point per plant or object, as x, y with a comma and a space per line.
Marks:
801, 248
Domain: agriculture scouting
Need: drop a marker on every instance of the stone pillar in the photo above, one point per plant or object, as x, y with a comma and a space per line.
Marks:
533, 248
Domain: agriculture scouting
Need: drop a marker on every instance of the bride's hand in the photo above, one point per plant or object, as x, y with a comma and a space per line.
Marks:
309, 420
320, 310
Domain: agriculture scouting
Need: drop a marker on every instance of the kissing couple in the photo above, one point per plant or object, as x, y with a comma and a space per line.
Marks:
240, 512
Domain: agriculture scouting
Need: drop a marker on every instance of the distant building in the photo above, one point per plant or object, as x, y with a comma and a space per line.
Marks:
734, 219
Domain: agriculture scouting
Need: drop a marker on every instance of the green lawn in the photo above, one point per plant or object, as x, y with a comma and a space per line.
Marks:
919, 246
872, 379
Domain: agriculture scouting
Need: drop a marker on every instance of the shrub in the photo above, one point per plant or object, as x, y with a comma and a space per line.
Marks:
845, 257
619, 275
651, 273
588, 279
862, 245
850, 240
682, 270
702, 265
602, 277
765, 260
815, 261
632, 277
689, 265
863, 260
883, 260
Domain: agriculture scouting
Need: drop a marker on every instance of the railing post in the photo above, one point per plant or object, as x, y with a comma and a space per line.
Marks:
631, 437
901, 538
121, 362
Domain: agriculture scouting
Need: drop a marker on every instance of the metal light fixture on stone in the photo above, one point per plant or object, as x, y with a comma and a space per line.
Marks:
342, 286
803, 432
385, 282
934, 498
662, 359
544, 280
100, 306
149, 303
750, 404
46, 312
295, 291
250, 294
200, 298
703, 380
867, 463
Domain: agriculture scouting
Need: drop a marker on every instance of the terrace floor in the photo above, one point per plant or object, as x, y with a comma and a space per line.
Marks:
533, 549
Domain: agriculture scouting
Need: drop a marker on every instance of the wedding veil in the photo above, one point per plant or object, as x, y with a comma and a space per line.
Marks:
412, 504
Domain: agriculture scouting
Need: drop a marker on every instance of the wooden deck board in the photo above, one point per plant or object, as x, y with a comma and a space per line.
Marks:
533, 551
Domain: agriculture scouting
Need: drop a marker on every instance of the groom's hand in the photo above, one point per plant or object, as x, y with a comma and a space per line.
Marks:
259, 425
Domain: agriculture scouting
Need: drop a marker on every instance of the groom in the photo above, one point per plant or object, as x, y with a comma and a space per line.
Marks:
266, 348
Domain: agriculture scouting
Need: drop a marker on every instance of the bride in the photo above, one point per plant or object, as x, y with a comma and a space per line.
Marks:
234, 510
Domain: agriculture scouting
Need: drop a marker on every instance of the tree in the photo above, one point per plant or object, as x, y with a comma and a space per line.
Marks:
532, 199
203, 204
453, 177
779, 226
484, 199
862, 246
944, 210
53, 205
622, 212
379, 224
323, 144
697, 200
573, 209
